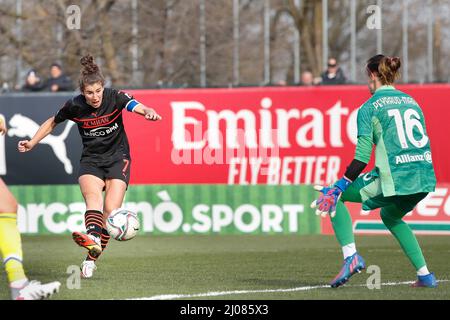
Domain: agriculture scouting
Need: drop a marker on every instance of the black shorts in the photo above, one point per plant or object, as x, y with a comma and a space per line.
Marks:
116, 170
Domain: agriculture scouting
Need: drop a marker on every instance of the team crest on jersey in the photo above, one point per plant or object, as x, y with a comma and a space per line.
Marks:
427, 156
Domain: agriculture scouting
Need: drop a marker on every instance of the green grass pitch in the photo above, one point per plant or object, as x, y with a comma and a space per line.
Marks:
241, 267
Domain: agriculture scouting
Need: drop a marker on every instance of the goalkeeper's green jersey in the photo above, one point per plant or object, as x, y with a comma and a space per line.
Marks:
395, 123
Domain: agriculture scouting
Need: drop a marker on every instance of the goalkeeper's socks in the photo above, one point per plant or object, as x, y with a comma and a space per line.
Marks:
423, 271
93, 220
349, 250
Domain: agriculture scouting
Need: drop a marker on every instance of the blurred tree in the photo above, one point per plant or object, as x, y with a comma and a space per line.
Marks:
167, 41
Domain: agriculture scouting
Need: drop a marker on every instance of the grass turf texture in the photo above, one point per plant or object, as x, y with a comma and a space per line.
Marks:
156, 265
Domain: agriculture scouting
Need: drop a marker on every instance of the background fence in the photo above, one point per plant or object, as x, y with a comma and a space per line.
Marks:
217, 43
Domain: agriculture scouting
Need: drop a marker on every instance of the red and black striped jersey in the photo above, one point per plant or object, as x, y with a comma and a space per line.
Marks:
101, 129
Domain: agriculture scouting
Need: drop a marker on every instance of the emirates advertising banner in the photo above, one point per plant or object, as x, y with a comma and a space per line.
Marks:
274, 136
244, 138
282, 136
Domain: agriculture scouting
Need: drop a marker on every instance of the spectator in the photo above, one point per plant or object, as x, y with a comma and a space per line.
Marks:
4, 88
334, 74
58, 80
307, 78
33, 82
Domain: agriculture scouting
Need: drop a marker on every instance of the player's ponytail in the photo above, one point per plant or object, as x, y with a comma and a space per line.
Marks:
385, 68
90, 72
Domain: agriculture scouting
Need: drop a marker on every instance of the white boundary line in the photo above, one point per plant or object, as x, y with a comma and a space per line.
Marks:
235, 292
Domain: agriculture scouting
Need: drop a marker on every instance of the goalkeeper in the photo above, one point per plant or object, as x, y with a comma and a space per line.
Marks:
403, 174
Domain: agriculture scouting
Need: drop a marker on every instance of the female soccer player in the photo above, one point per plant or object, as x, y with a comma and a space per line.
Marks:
11, 248
403, 174
105, 160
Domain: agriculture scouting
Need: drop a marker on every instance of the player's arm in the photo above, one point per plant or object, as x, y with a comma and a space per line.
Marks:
364, 145
127, 101
329, 196
44, 130
146, 112
358, 164
47, 127
362, 157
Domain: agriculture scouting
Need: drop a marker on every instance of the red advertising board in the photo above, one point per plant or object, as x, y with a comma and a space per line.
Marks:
283, 135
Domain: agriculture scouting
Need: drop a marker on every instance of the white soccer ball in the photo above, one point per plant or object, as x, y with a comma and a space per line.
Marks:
122, 224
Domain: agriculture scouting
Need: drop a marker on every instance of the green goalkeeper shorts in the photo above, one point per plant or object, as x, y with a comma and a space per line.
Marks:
366, 189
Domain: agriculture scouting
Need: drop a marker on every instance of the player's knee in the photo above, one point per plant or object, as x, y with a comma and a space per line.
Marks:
388, 220
384, 216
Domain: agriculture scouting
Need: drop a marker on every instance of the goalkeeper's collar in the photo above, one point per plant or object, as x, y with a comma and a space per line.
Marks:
385, 87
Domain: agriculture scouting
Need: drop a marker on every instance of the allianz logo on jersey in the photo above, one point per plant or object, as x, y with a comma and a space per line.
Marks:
101, 131
408, 158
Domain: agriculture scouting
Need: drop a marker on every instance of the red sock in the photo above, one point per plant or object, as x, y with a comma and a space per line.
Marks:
105, 238
93, 220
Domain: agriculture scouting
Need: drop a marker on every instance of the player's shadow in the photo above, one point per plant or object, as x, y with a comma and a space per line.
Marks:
279, 283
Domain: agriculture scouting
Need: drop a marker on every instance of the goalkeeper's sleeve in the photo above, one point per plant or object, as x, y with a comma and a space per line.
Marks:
362, 157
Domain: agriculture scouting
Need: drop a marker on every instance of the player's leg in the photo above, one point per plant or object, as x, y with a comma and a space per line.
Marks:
343, 229
365, 186
91, 186
116, 183
92, 190
10, 241
115, 193
11, 252
392, 217
117, 179
342, 221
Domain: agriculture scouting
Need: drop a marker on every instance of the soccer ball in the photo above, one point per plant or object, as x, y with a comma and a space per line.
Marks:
122, 224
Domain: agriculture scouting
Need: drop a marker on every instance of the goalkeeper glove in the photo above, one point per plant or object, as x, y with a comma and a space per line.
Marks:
329, 196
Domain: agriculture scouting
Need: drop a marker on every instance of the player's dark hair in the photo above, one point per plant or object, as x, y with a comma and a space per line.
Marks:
90, 72
384, 67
